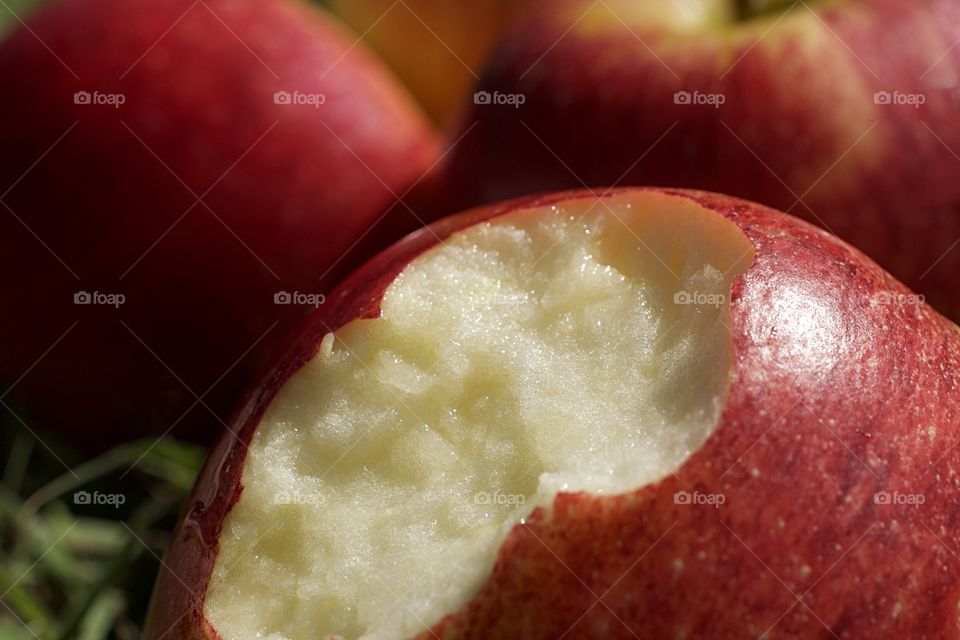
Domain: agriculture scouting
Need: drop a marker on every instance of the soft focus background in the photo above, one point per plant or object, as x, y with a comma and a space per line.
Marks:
74, 569
71, 569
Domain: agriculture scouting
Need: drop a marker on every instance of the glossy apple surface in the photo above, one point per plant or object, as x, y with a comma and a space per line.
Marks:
843, 113
198, 159
813, 499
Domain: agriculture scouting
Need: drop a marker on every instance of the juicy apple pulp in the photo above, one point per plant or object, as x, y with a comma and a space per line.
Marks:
645, 413
514, 361
844, 113
210, 162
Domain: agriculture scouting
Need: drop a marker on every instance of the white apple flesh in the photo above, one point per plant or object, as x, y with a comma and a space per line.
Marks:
518, 359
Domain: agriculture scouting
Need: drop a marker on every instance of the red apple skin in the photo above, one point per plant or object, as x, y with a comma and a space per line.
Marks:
287, 191
833, 399
799, 120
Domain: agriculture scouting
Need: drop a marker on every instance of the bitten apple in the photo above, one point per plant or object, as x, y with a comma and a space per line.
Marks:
181, 182
845, 113
644, 413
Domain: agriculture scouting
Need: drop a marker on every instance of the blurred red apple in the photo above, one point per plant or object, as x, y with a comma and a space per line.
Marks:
435, 46
844, 113
647, 413
181, 183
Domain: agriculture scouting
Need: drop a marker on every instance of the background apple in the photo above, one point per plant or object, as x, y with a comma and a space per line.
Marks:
436, 47
845, 113
642, 413
13, 9
180, 182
